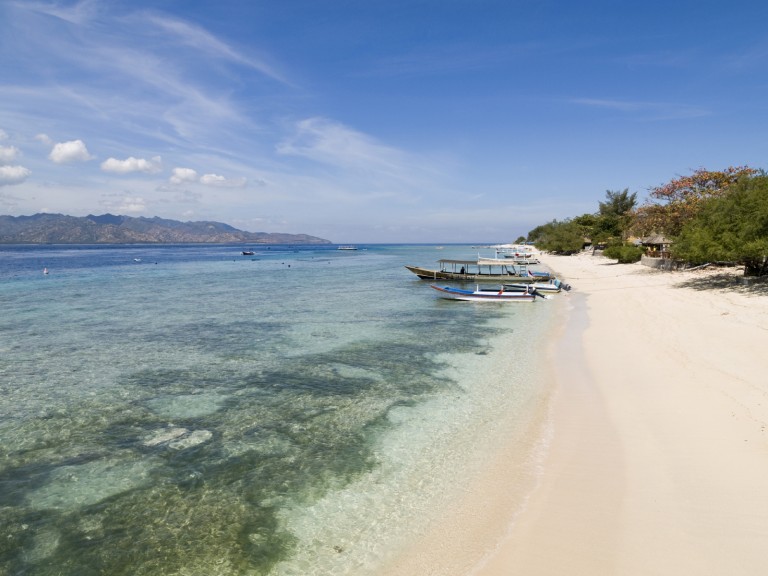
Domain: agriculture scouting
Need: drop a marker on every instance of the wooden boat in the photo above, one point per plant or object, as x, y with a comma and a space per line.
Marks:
552, 286
487, 294
493, 270
511, 258
248, 252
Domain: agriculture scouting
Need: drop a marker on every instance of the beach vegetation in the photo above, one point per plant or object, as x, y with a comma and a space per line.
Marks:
731, 227
565, 237
624, 252
610, 223
614, 216
677, 202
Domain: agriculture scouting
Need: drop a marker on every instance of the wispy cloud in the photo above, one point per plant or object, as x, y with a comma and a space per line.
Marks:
333, 144
80, 12
191, 35
90, 49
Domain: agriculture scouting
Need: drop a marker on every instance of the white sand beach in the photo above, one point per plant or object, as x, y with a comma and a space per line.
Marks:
658, 463
656, 439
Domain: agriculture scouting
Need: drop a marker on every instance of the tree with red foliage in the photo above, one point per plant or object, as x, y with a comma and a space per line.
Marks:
679, 200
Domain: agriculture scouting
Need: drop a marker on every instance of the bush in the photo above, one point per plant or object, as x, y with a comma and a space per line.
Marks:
624, 253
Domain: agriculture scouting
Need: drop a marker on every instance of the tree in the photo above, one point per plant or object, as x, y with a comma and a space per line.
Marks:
586, 223
679, 200
562, 237
730, 227
614, 215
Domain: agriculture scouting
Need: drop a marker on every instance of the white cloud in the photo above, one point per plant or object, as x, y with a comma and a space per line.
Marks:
72, 151
13, 175
45, 139
221, 181
3, 134
132, 164
8, 154
181, 175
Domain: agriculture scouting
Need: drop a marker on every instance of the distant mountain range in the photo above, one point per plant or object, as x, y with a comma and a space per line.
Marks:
111, 229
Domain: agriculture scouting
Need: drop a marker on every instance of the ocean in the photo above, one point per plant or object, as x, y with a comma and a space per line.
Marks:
178, 410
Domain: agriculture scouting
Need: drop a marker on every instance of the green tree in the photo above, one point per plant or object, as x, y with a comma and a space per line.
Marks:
614, 215
679, 200
730, 227
564, 237
586, 223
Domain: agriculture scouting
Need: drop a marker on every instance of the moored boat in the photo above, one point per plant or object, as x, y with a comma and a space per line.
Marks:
552, 286
480, 270
487, 294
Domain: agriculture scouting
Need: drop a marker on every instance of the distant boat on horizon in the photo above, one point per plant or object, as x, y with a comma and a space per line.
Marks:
347, 248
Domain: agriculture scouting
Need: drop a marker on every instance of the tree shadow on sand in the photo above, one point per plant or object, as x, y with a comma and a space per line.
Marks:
730, 282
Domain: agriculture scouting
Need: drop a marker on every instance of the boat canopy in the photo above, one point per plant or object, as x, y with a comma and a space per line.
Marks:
459, 262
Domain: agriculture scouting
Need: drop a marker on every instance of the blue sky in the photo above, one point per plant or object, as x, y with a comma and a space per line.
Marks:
372, 120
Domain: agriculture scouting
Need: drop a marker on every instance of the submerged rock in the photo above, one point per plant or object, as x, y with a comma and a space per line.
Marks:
195, 438
164, 436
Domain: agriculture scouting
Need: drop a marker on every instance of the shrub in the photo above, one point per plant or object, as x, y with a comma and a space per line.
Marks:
624, 253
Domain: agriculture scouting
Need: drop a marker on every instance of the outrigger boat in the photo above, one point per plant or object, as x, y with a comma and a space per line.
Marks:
487, 294
516, 258
480, 270
553, 286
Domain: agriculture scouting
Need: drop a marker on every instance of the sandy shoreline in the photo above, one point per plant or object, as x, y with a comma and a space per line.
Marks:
659, 457
655, 439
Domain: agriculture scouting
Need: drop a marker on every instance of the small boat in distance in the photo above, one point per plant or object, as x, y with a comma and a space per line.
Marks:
487, 294
248, 252
347, 248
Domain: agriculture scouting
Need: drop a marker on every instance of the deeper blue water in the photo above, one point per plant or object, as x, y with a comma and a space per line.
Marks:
189, 410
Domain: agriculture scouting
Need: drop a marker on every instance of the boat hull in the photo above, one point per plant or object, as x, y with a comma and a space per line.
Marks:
483, 295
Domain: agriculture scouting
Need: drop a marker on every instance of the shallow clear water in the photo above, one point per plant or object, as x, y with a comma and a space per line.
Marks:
189, 410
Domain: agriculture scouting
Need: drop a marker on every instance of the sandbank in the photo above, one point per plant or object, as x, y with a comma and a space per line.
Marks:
652, 446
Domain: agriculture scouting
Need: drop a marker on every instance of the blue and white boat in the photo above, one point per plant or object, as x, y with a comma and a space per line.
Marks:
554, 285
487, 294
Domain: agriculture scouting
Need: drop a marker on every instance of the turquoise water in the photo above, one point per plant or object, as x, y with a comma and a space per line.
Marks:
189, 410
